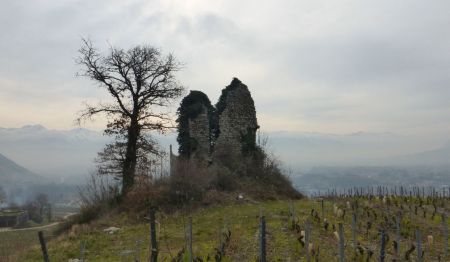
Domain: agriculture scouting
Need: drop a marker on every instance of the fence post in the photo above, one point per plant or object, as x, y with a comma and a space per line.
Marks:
445, 231
191, 256
341, 243
43, 246
307, 237
397, 225
82, 250
323, 209
153, 241
291, 211
221, 248
262, 240
419, 245
137, 251
354, 231
383, 245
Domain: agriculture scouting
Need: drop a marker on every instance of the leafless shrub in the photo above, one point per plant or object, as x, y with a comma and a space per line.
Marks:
98, 195
189, 182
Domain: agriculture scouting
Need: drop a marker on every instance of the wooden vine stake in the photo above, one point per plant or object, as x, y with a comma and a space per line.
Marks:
43, 246
354, 221
341, 243
307, 237
153, 241
445, 233
397, 235
262, 239
191, 257
383, 246
419, 245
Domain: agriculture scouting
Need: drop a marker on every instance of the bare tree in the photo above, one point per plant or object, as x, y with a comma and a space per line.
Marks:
111, 159
142, 84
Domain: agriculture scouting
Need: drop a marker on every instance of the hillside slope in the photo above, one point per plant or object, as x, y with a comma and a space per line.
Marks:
10, 172
240, 223
64, 155
436, 157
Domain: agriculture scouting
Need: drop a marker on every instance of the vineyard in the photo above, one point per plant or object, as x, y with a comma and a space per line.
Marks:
354, 225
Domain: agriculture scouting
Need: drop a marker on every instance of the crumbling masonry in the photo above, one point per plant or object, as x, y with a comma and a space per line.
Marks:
207, 133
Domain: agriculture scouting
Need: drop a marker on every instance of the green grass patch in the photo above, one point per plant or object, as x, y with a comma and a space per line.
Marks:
242, 219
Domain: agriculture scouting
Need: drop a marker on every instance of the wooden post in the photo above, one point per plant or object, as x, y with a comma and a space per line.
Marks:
137, 251
323, 209
161, 175
341, 243
221, 248
43, 246
445, 233
419, 245
307, 237
291, 210
153, 241
82, 250
262, 239
397, 234
383, 246
191, 256
354, 231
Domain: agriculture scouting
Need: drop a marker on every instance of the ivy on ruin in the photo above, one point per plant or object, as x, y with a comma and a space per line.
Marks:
191, 106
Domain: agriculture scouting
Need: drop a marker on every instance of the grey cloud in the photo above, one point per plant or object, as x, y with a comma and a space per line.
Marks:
383, 64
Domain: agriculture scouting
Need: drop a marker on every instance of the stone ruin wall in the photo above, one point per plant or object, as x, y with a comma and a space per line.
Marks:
236, 120
199, 130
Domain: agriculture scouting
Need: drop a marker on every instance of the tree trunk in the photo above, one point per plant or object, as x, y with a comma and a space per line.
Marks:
129, 165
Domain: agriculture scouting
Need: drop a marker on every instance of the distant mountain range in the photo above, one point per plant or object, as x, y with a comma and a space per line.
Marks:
65, 156
308, 150
436, 157
68, 155
12, 173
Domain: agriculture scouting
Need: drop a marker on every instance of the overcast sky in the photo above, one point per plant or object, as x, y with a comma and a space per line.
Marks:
312, 66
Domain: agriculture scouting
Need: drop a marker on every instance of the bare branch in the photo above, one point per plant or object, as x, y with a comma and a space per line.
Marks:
141, 82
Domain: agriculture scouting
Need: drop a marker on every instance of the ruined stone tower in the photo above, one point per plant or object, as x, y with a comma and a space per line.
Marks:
237, 120
206, 133
194, 126
200, 134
